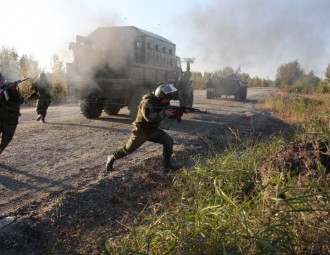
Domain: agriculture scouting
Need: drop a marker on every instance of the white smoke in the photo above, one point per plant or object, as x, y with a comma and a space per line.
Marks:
259, 35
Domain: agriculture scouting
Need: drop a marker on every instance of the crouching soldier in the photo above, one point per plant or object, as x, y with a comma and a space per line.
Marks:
152, 110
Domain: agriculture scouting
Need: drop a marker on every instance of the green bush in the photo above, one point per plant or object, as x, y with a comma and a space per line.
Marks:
59, 92
238, 202
323, 87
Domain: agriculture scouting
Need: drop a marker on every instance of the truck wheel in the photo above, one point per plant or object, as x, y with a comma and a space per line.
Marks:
241, 94
135, 101
238, 96
245, 93
90, 110
210, 93
188, 98
111, 110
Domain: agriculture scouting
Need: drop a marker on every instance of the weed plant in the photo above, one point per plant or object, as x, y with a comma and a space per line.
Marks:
239, 203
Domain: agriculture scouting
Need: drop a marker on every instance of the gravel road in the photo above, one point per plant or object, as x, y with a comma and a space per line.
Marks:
69, 150
50, 174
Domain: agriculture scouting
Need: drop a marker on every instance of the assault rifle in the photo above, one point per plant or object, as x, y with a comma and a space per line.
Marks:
33, 95
180, 110
6, 86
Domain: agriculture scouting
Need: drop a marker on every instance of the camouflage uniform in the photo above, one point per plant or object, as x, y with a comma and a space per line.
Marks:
146, 128
44, 89
9, 113
153, 108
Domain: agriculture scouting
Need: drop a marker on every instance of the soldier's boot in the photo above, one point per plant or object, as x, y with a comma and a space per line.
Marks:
109, 165
39, 117
168, 167
43, 119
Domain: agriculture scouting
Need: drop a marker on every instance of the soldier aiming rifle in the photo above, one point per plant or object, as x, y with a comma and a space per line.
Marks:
10, 101
6, 85
153, 108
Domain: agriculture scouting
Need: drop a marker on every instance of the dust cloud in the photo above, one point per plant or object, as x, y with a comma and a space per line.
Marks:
102, 52
259, 35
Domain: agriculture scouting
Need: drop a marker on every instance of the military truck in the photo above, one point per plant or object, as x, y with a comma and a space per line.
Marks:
226, 86
114, 67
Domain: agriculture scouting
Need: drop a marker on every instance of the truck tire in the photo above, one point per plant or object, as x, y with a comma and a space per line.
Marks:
90, 110
244, 93
135, 101
240, 95
188, 98
111, 109
210, 93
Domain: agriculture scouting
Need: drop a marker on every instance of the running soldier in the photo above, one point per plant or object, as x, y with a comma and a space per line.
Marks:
43, 88
153, 109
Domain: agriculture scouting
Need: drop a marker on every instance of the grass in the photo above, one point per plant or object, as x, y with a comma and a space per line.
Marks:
238, 203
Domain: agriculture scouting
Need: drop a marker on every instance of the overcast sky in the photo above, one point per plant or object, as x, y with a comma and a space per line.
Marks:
259, 35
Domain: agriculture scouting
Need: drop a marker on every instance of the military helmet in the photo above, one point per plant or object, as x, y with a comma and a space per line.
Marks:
165, 90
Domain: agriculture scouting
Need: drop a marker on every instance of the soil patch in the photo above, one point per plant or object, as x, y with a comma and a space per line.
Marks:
303, 158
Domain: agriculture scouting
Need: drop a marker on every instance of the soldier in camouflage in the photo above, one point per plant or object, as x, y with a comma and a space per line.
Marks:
153, 109
9, 113
43, 88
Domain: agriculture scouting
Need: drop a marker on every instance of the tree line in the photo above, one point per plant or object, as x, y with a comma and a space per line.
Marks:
289, 75
16, 67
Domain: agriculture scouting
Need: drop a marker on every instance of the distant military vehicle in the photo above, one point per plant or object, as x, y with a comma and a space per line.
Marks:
227, 86
114, 67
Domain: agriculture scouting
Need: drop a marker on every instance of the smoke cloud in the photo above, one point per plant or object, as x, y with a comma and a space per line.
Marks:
259, 35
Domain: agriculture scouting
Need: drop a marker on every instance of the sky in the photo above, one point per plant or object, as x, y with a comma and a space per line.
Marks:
258, 35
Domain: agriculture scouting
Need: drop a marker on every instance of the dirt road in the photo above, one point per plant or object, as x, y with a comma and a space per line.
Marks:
67, 154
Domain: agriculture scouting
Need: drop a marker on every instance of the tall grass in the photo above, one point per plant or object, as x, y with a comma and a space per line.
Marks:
310, 113
294, 107
239, 203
